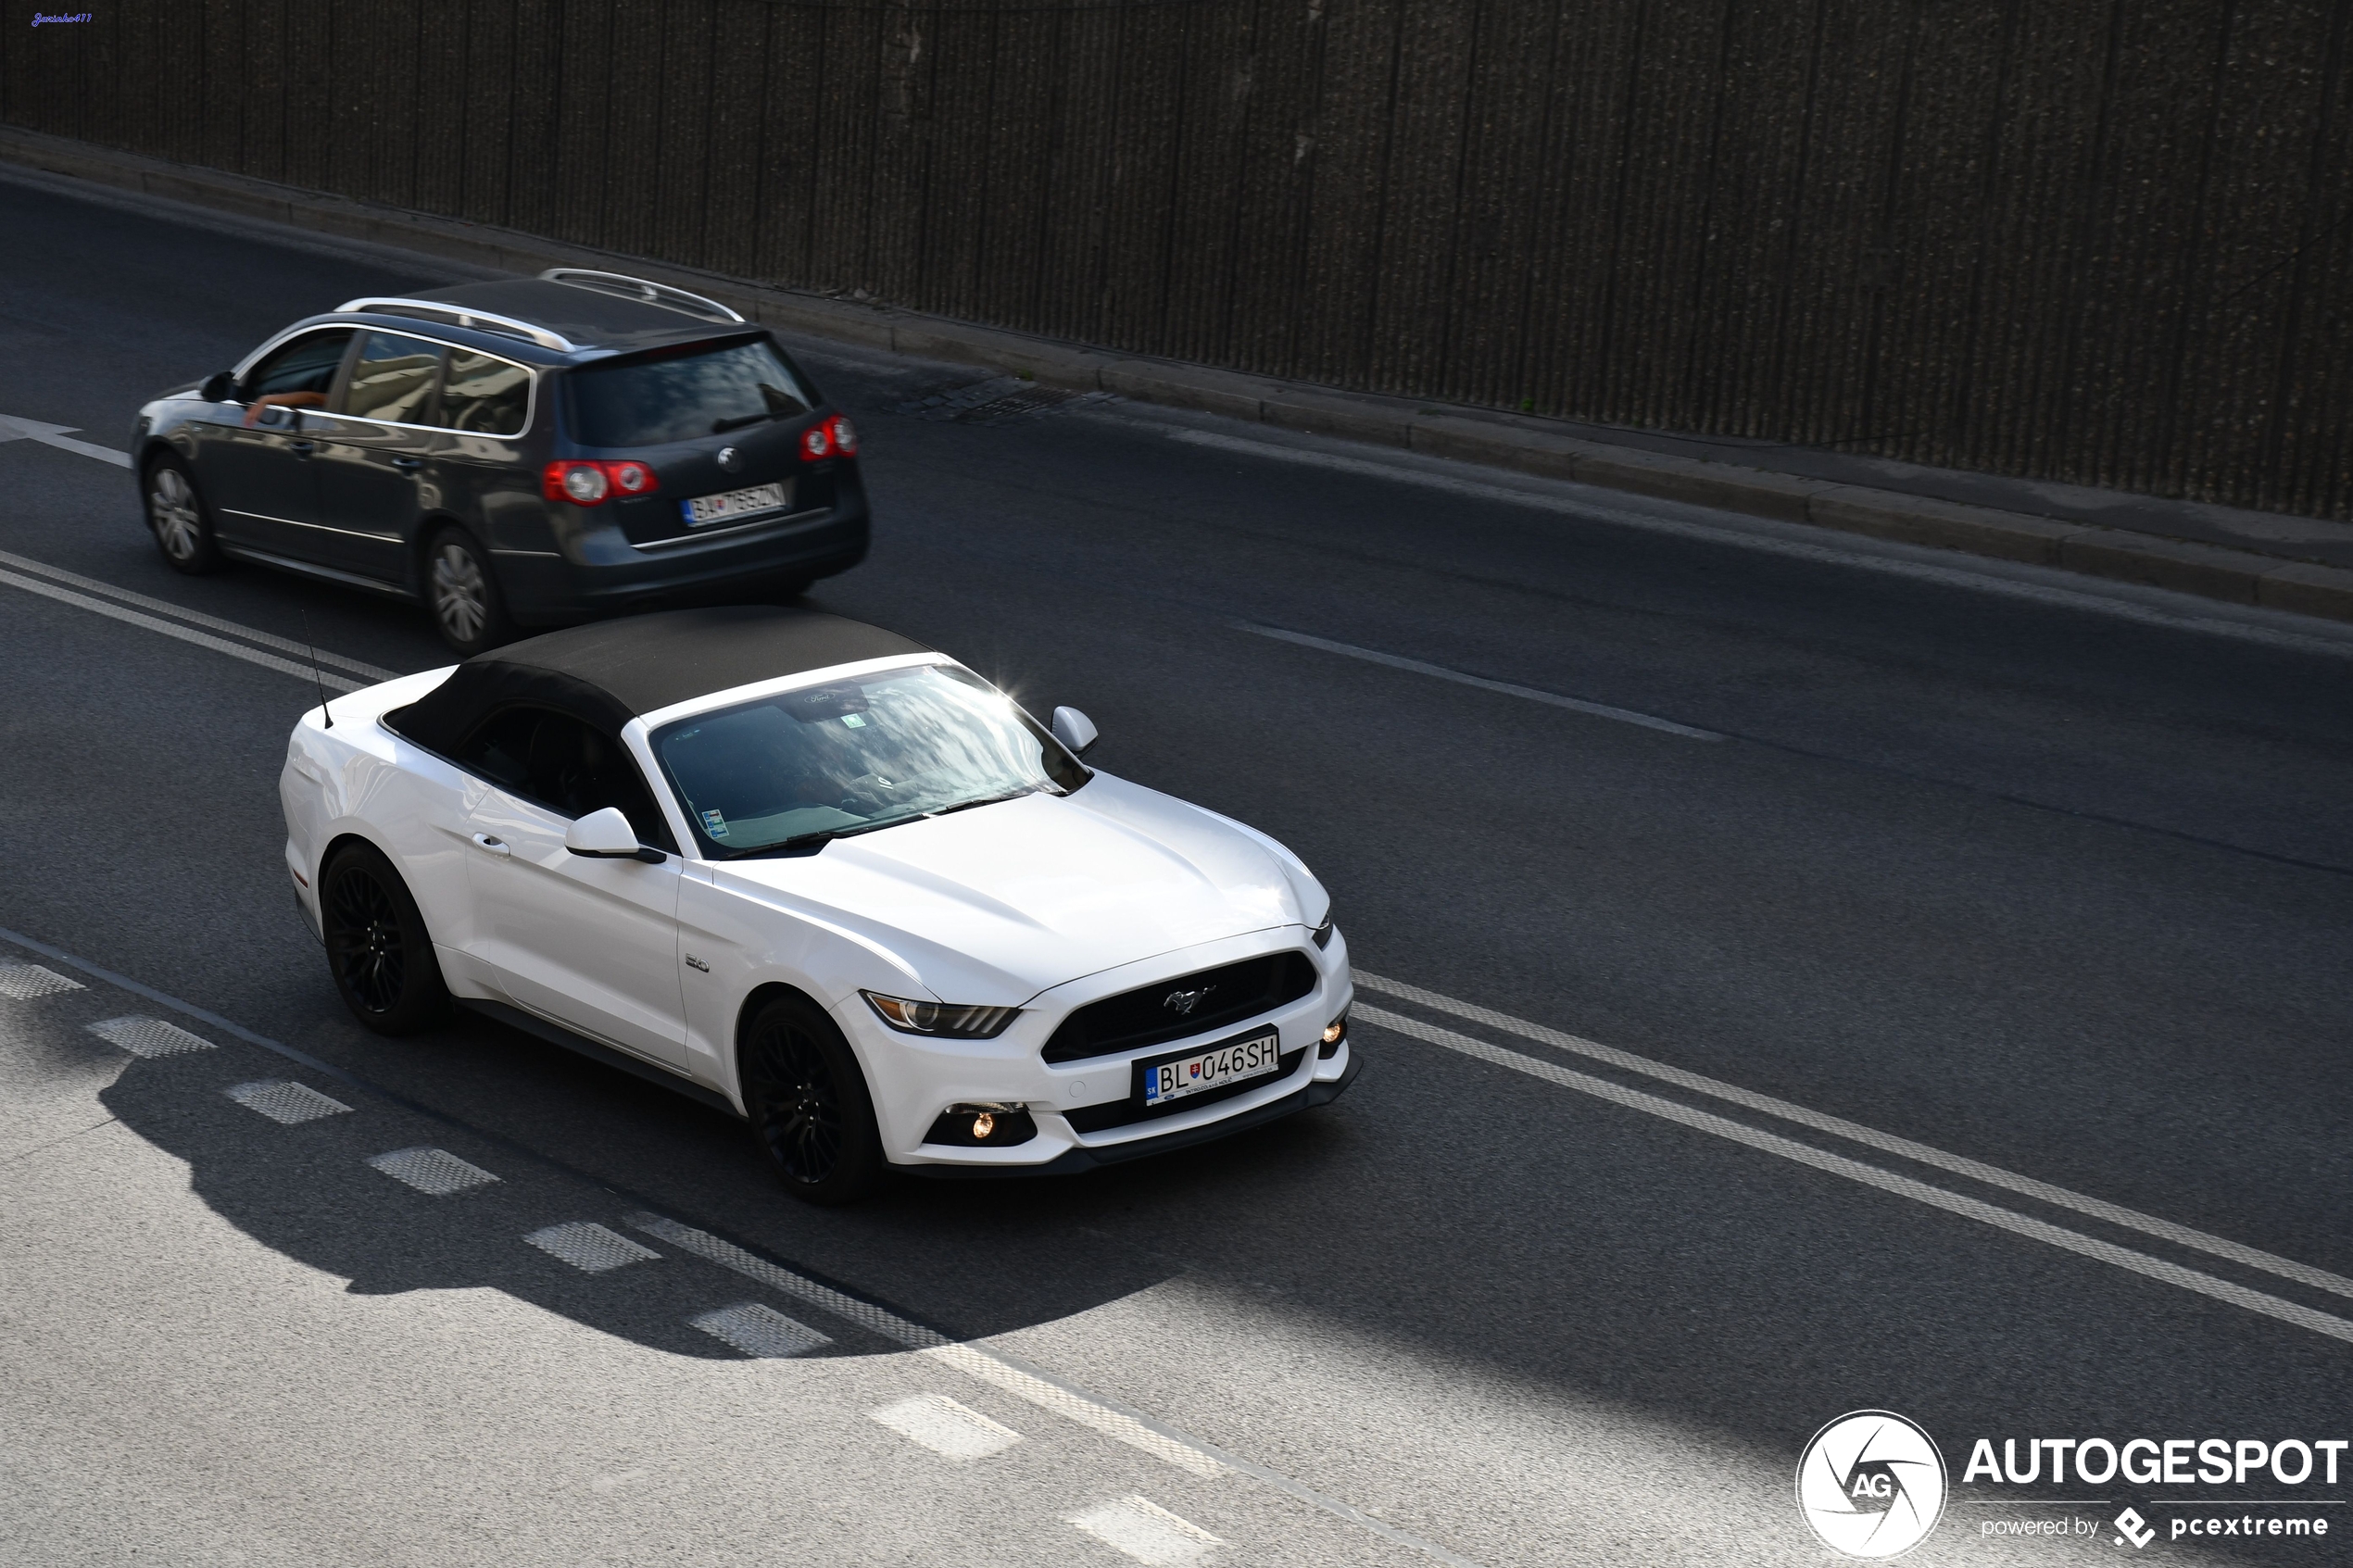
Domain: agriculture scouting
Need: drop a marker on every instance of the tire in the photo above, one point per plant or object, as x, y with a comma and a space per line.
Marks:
462, 592
808, 1104
178, 519
377, 946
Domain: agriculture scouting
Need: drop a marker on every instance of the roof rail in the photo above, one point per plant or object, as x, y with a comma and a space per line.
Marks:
638, 288
434, 310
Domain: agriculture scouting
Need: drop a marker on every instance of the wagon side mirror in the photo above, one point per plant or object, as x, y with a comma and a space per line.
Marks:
219, 387
607, 835
1074, 730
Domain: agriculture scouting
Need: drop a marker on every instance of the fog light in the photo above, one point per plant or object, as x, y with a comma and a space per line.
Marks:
1334, 1033
984, 1124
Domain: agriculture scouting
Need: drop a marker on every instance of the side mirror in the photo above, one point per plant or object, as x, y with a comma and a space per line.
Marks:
1074, 730
219, 387
607, 835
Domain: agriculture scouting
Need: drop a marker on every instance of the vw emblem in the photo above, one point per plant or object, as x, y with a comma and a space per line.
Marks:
730, 459
1182, 1002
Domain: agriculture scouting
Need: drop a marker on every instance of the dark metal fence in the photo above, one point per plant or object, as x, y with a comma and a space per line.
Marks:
2102, 241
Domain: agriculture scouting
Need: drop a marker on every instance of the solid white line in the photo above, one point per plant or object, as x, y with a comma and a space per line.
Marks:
1870, 1175
55, 435
1770, 544
1598, 710
197, 618
186, 634
1855, 1132
1047, 1392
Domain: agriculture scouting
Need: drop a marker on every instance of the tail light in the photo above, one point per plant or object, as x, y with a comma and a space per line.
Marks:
586, 483
830, 437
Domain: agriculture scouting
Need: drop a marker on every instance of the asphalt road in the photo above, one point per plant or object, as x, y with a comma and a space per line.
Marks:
2043, 874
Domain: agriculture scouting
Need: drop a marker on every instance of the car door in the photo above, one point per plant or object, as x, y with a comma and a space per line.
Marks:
374, 456
257, 471
590, 944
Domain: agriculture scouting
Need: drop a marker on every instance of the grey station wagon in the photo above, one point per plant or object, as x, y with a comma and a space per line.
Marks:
525, 453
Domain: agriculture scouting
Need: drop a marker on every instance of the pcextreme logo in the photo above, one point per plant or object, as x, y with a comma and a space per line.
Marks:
1871, 1484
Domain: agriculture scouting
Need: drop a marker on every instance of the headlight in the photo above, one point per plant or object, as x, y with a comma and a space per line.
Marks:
941, 1020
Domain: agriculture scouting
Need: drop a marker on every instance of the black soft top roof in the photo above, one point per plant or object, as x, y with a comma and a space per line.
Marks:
611, 671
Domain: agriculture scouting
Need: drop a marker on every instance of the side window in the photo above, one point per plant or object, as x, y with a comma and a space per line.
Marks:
301, 372
484, 396
392, 379
555, 760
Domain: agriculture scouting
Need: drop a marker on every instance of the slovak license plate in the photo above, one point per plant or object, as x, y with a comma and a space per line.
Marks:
1229, 1064
703, 510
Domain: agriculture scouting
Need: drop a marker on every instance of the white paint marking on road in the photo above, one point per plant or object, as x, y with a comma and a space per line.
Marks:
1855, 1132
1028, 1383
149, 1037
1599, 710
285, 1102
1870, 1175
24, 982
194, 618
1146, 1532
186, 634
1773, 544
14, 429
433, 1172
760, 1332
952, 1430
589, 1247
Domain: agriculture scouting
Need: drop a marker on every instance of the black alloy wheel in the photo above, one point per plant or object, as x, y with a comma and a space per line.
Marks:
809, 1103
377, 946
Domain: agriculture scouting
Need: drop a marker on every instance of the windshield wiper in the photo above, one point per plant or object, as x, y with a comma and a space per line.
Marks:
986, 800
718, 425
822, 838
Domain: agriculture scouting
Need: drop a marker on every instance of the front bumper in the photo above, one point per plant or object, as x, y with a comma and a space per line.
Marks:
1318, 1090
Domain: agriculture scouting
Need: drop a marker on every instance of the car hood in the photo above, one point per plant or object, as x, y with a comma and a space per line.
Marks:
992, 906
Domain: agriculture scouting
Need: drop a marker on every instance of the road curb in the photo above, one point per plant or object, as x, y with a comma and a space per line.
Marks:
1464, 434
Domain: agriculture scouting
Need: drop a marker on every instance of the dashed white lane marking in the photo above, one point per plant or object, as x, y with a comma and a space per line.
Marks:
589, 1247
952, 1430
149, 1037
25, 982
1855, 1132
1870, 1175
761, 1332
1002, 1371
194, 618
186, 634
1777, 539
1597, 709
433, 1172
285, 1102
1146, 1532
969, 1360
13, 428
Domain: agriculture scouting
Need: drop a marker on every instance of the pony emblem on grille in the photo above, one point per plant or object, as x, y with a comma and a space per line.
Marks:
1183, 1002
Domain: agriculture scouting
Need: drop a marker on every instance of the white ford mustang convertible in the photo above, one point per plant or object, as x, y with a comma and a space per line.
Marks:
825, 877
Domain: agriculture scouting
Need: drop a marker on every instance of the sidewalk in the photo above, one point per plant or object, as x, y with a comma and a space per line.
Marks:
2291, 563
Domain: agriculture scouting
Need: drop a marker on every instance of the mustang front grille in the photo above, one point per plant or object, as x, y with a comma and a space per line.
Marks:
1190, 1004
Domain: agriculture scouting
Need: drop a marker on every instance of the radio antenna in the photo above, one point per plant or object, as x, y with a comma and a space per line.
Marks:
313, 642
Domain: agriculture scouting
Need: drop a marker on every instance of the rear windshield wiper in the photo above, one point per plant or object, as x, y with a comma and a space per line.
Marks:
718, 425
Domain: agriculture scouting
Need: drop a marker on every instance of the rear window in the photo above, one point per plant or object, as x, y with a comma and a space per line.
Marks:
679, 397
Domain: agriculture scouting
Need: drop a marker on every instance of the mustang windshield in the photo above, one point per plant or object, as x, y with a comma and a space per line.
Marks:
852, 755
